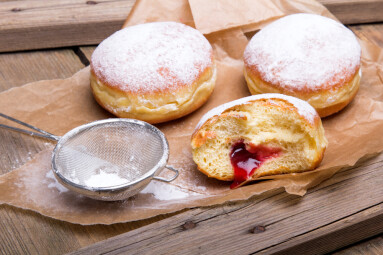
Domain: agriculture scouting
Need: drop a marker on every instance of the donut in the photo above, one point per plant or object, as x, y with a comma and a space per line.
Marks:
153, 72
307, 56
258, 136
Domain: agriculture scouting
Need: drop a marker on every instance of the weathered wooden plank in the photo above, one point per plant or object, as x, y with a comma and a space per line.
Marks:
373, 247
20, 68
26, 232
372, 32
282, 217
338, 234
355, 11
48, 24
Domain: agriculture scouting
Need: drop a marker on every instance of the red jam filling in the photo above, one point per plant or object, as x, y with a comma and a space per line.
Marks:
246, 158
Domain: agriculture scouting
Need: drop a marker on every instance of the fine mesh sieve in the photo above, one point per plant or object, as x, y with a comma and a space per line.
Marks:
110, 159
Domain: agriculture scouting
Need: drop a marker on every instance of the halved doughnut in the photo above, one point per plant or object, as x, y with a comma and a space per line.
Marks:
261, 135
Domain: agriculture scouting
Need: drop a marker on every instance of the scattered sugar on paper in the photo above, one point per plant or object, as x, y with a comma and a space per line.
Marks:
55, 184
165, 191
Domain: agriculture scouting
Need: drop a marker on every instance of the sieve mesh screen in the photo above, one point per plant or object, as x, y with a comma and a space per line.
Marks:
110, 149
110, 159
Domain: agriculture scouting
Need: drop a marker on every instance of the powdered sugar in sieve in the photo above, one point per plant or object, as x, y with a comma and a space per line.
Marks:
110, 159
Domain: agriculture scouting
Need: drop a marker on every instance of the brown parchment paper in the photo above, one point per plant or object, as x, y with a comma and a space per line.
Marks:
60, 105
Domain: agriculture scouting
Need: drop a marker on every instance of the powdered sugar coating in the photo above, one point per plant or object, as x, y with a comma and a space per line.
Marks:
304, 109
303, 52
152, 57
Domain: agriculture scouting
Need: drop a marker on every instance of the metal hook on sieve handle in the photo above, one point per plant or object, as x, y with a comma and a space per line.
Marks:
158, 178
41, 133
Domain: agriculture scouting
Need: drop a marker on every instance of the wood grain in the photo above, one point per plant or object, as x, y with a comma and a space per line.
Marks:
371, 32
338, 234
287, 220
355, 11
27, 232
47, 24
17, 69
372, 247
20, 68
39, 24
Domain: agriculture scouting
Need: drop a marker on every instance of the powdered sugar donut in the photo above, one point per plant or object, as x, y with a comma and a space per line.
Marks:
154, 72
308, 56
256, 136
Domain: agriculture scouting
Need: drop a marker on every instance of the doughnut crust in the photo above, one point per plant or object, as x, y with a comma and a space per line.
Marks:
307, 56
268, 122
154, 72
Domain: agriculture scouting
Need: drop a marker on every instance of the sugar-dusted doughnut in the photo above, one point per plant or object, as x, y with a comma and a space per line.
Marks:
307, 56
256, 136
154, 72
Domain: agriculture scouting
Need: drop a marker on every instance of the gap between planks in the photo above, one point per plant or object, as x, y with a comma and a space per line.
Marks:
81, 55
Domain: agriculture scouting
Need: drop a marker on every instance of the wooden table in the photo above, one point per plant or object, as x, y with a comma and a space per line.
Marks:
322, 221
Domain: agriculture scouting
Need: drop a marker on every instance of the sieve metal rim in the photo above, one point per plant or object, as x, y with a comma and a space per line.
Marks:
149, 174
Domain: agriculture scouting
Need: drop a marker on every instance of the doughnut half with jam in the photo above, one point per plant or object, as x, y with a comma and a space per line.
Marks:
257, 136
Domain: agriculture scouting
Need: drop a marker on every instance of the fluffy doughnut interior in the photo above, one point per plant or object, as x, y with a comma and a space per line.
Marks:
273, 124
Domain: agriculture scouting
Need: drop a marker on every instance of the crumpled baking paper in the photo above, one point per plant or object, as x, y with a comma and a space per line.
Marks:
60, 105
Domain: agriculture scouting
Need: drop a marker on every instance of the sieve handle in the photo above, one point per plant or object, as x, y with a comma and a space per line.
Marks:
41, 133
168, 180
